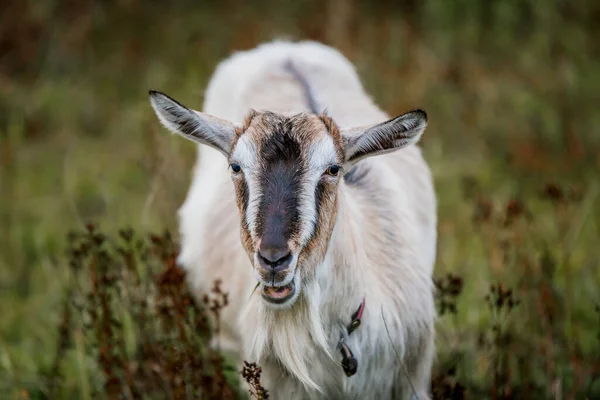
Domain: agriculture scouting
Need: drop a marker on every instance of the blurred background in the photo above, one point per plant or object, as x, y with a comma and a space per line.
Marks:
512, 90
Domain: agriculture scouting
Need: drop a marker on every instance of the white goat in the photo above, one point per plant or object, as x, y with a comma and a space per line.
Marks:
335, 238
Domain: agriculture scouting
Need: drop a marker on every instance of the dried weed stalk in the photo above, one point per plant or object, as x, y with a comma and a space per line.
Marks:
142, 326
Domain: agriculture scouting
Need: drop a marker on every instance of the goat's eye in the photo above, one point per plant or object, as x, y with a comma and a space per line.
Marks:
235, 168
333, 170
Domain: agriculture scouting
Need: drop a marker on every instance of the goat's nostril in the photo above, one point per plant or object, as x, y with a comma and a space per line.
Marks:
275, 257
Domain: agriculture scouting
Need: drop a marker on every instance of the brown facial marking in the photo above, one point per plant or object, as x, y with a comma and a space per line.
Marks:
247, 121
241, 189
326, 201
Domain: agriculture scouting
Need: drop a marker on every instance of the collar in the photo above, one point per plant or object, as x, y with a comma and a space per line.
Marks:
349, 362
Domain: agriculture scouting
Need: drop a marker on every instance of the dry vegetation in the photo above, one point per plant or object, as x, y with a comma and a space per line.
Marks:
512, 91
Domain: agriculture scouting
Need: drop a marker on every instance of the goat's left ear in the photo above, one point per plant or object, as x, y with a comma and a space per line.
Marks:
193, 125
385, 137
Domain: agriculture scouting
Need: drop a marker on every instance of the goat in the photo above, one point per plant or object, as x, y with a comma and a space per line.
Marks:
325, 228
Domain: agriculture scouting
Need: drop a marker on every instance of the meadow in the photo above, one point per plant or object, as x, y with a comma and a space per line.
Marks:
512, 90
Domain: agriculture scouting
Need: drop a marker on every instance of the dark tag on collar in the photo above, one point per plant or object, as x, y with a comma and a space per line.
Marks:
349, 363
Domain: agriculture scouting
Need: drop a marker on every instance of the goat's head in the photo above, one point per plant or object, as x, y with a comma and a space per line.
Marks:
286, 172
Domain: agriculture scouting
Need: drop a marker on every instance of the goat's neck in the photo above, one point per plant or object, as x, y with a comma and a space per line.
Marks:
343, 278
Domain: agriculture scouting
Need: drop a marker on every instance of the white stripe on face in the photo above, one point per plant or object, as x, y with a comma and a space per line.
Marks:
321, 155
246, 154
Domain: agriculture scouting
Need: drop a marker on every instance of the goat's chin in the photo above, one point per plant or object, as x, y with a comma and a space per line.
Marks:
282, 296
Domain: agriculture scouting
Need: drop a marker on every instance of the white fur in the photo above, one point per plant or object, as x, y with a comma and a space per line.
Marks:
296, 347
322, 154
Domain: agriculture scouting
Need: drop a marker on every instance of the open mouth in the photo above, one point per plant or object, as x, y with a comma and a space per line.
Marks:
278, 295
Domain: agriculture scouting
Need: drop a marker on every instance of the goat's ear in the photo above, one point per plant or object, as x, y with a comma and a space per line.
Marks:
193, 125
385, 137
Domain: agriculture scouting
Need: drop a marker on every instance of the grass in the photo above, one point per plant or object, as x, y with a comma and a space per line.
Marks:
513, 141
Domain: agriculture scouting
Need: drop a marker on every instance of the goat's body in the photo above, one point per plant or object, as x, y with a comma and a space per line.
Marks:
382, 247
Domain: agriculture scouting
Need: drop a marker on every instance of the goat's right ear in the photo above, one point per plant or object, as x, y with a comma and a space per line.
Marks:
193, 125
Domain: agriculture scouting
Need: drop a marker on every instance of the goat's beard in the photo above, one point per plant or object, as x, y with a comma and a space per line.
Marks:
286, 332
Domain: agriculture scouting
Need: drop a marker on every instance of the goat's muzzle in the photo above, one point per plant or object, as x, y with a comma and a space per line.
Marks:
275, 265
276, 268
279, 295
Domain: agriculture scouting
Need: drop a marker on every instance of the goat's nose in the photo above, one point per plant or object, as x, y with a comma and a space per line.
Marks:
274, 257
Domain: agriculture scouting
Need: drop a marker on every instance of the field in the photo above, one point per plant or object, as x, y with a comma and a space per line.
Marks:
512, 90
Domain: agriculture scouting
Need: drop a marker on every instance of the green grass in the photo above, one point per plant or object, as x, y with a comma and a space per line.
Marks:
511, 89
